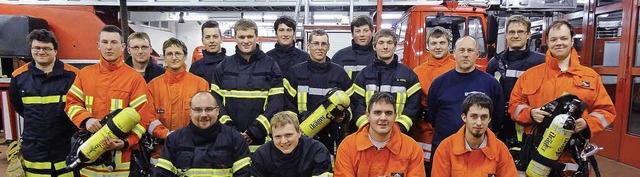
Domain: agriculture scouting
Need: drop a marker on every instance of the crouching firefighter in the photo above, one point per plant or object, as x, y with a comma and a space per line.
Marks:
548, 101
318, 91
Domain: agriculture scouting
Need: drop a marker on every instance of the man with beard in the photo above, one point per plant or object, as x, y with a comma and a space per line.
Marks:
285, 51
140, 59
213, 52
360, 54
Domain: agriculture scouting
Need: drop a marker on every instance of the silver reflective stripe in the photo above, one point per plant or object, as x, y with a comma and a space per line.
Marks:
518, 110
303, 88
514, 73
570, 167
398, 89
205, 171
153, 126
427, 155
601, 117
153, 161
386, 88
425, 146
348, 68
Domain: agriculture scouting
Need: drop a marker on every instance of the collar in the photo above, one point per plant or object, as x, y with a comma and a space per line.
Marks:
381, 64
574, 63
58, 68
362, 49
214, 57
174, 77
256, 55
459, 144
106, 66
319, 67
129, 61
483, 144
203, 136
295, 154
439, 63
394, 144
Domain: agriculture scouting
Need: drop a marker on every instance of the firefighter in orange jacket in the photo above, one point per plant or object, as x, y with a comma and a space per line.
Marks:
560, 74
172, 91
438, 62
379, 148
104, 87
474, 150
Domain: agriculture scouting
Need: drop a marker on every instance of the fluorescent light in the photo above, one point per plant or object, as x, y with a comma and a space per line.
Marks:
196, 17
391, 16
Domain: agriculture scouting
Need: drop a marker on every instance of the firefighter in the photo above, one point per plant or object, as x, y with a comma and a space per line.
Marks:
474, 150
360, 54
285, 51
213, 51
509, 64
379, 148
248, 86
386, 75
140, 59
561, 73
204, 147
438, 62
172, 91
105, 87
308, 83
290, 153
451, 88
38, 94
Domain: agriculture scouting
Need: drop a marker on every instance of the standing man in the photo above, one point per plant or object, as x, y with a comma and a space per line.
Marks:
308, 83
104, 87
438, 62
172, 91
379, 148
249, 87
285, 51
474, 150
38, 93
451, 88
213, 52
290, 153
509, 64
561, 74
385, 74
360, 54
140, 59
205, 147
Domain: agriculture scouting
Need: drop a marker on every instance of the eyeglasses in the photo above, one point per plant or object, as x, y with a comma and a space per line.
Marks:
321, 44
462, 50
519, 32
177, 55
38, 49
206, 110
144, 47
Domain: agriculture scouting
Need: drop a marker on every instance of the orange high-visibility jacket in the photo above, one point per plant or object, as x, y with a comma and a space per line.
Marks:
102, 88
171, 93
544, 83
422, 131
357, 156
453, 158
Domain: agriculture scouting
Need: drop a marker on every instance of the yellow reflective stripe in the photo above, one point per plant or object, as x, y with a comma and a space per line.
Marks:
401, 99
87, 172
302, 101
206, 172
357, 89
367, 96
276, 90
253, 148
73, 110
67, 174
44, 99
239, 164
138, 101
224, 119
60, 165
350, 73
292, 91
350, 91
116, 104
167, 165
37, 165
519, 132
362, 120
77, 92
413, 89
138, 130
405, 121
29, 174
88, 102
325, 174
265, 123
245, 94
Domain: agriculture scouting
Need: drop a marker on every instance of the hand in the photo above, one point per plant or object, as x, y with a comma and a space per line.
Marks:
113, 143
246, 137
581, 124
538, 115
93, 125
338, 119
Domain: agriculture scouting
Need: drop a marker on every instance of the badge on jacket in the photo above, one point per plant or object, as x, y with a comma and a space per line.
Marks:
397, 174
586, 84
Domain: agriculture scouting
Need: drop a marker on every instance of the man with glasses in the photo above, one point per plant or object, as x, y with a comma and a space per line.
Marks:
507, 67
140, 59
38, 93
448, 91
307, 84
204, 146
172, 90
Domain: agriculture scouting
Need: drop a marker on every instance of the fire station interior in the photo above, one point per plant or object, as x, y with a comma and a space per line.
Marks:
607, 40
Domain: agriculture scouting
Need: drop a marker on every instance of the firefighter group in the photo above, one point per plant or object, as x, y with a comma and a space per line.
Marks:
287, 112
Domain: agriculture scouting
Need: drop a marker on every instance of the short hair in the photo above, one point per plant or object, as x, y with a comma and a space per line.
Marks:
382, 97
518, 19
438, 32
557, 24
203, 92
283, 118
245, 24
210, 24
480, 99
466, 36
139, 35
286, 20
110, 29
43, 35
360, 21
173, 42
385, 33
318, 32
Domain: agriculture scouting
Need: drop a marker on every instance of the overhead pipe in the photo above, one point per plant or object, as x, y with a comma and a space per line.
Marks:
124, 22
350, 11
379, 15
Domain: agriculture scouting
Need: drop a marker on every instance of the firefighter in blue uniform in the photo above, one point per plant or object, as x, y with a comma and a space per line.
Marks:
360, 54
38, 93
285, 51
205, 147
248, 86
385, 74
213, 52
309, 82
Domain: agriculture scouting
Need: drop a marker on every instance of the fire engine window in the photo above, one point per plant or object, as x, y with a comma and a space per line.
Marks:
401, 29
455, 24
607, 44
477, 32
606, 2
636, 62
610, 83
634, 115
